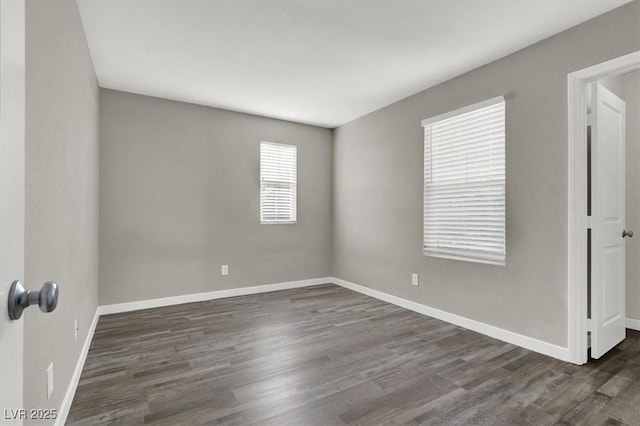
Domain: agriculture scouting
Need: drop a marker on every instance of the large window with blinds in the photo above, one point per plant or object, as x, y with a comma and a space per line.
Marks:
464, 183
278, 176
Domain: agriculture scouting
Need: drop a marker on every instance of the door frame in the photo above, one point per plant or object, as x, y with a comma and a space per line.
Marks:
577, 187
12, 193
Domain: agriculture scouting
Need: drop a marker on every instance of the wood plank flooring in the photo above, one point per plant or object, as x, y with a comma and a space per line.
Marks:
325, 356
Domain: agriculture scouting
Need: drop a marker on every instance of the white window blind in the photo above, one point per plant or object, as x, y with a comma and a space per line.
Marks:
277, 183
464, 183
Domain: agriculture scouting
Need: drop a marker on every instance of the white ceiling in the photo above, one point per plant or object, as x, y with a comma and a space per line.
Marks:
317, 62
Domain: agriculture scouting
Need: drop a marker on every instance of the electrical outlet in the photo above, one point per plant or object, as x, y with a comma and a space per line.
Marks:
49, 380
415, 280
224, 270
75, 329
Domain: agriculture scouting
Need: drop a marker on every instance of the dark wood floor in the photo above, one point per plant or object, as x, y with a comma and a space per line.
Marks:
327, 356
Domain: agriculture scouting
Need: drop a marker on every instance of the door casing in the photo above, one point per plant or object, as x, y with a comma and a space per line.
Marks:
577, 188
12, 191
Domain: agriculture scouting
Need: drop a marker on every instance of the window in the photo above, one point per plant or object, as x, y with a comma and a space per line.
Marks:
464, 183
277, 183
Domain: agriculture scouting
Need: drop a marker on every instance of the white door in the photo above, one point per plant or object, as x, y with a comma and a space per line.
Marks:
608, 221
12, 90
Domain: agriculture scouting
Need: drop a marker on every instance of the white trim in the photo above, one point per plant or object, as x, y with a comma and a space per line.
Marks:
65, 406
277, 143
577, 221
633, 324
463, 110
483, 260
211, 295
497, 333
577, 197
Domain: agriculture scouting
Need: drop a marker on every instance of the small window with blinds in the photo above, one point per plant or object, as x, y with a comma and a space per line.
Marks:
277, 183
464, 183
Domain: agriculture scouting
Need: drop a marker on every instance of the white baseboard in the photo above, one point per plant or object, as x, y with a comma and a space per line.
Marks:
526, 342
633, 324
211, 295
77, 372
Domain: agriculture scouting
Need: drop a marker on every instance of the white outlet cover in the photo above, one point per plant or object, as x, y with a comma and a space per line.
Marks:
49, 380
224, 270
75, 329
415, 280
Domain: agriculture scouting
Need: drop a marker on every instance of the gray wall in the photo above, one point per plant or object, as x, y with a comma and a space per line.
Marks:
179, 196
377, 240
61, 240
631, 95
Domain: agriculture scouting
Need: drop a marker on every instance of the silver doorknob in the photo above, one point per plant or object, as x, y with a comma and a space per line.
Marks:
626, 233
20, 298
